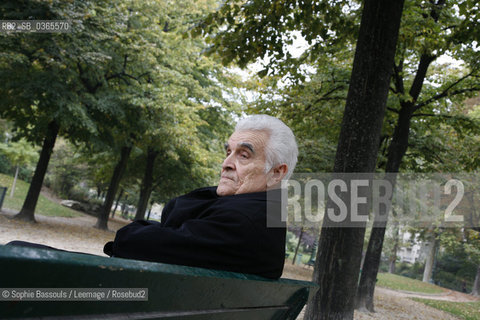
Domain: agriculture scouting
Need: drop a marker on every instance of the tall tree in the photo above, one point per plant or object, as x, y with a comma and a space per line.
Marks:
44, 95
198, 106
146, 185
418, 46
102, 221
357, 152
28, 208
169, 86
430, 258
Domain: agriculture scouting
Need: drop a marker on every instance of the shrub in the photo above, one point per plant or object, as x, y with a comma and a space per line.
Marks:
414, 271
78, 194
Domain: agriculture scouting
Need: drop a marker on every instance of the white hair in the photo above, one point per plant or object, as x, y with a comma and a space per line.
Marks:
281, 146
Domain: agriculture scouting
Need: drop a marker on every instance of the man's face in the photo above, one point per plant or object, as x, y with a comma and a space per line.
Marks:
243, 170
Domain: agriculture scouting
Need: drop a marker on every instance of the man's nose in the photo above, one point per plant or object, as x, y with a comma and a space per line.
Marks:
228, 163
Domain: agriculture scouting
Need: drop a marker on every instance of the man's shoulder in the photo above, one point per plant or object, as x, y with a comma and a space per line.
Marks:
203, 193
248, 205
254, 203
211, 193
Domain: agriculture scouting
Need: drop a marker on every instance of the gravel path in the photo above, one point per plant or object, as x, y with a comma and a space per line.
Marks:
75, 234
449, 295
389, 305
392, 305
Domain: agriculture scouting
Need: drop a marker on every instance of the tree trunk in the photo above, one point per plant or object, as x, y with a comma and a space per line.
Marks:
393, 254
149, 211
340, 249
112, 189
300, 236
396, 151
392, 262
14, 185
28, 209
147, 184
476, 284
125, 207
428, 271
116, 202
364, 298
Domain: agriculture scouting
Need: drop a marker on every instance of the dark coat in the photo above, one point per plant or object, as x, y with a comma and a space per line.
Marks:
202, 229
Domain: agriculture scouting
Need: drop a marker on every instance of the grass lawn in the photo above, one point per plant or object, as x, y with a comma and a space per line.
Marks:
395, 282
463, 310
44, 207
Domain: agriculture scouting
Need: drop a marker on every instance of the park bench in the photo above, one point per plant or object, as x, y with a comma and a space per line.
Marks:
174, 292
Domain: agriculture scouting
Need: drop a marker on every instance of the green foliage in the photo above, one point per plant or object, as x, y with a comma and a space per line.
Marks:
20, 153
313, 109
126, 75
80, 194
65, 170
309, 91
463, 310
243, 31
5, 165
413, 271
41, 84
291, 242
384, 266
186, 114
460, 259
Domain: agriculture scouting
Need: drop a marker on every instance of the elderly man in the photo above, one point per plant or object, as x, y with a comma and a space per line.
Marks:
223, 227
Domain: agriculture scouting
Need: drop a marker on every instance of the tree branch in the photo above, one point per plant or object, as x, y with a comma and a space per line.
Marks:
119, 76
326, 97
432, 115
446, 92
435, 10
397, 78
90, 88
416, 88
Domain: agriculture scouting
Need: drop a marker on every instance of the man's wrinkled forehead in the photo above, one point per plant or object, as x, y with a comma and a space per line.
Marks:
249, 139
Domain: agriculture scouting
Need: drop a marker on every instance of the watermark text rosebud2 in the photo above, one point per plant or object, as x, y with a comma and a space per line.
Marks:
354, 199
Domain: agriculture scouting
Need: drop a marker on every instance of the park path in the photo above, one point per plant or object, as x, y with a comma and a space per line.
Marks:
73, 234
395, 305
448, 295
390, 305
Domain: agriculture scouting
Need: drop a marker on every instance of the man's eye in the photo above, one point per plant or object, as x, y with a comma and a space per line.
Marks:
244, 155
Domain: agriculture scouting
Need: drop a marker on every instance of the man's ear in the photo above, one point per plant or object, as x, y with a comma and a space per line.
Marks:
276, 175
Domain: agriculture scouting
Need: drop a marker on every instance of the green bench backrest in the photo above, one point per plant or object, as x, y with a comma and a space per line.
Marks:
174, 292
